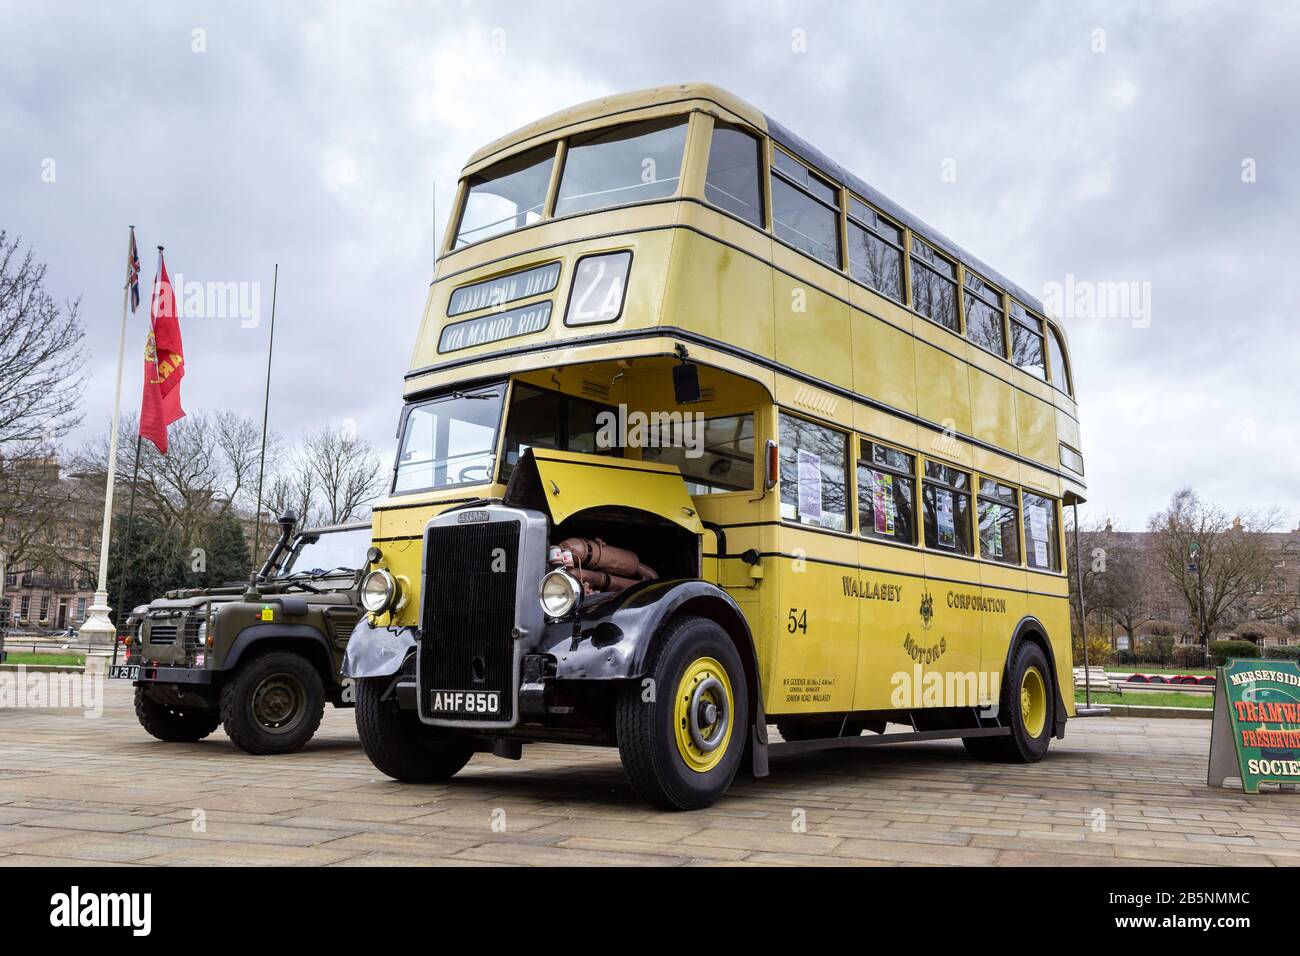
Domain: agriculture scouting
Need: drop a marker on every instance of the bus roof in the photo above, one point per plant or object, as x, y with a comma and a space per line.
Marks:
684, 92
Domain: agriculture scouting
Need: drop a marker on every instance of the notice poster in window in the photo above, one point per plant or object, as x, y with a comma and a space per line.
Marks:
810, 485
883, 503
1038, 524
944, 508
1040, 553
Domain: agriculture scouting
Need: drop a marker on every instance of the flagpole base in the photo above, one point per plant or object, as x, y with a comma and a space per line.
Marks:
97, 628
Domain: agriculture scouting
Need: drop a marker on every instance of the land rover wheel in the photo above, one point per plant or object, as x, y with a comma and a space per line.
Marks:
1028, 702
273, 703
174, 724
681, 737
398, 744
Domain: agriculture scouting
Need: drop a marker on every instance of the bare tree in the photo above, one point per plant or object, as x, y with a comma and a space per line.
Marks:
1232, 553
41, 357
345, 470
41, 362
329, 479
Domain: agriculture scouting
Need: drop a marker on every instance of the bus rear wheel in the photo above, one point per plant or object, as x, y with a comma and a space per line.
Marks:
682, 746
399, 744
1028, 701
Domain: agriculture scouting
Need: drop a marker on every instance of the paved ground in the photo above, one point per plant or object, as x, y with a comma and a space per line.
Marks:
88, 791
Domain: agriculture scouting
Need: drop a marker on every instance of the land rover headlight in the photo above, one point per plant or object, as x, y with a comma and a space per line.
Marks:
559, 594
378, 592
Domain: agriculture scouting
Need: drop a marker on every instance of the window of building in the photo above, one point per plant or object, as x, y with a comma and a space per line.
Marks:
934, 285
805, 209
984, 315
636, 162
81, 609
1042, 548
547, 419
25, 607
886, 493
875, 250
506, 196
814, 474
999, 522
1060, 373
1027, 347
945, 500
714, 455
732, 181
45, 607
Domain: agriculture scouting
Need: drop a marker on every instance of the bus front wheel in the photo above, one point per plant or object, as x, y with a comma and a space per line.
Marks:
681, 734
1028, 700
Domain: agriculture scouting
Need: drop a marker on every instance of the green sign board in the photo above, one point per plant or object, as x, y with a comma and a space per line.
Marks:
1257, 719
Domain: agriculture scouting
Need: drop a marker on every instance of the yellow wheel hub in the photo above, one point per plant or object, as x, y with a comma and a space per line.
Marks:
1033, 701
703, 714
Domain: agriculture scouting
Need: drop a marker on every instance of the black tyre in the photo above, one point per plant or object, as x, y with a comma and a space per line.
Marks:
273, 703
172, 723
1028, 705
399, 745
681, 748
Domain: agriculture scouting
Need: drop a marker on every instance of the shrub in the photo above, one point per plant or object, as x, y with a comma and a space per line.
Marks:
1099, 651
1189, 655
1291, 652
1220, 651
1125, 658
1155, 648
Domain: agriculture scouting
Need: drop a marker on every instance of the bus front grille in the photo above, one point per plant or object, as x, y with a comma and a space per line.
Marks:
466, 641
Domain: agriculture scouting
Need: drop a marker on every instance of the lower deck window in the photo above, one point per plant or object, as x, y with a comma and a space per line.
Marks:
886, 494
945, 500
1042, 545
999, 524
814, 474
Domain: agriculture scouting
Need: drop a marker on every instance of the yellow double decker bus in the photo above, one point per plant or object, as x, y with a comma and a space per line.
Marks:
702, 434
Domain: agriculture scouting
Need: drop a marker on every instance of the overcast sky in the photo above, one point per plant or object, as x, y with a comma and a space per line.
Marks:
1139, 143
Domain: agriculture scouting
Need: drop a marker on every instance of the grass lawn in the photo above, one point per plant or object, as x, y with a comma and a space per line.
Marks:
27, 657
1152, 699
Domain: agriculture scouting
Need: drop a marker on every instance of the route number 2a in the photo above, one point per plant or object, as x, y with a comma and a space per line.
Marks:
798, 621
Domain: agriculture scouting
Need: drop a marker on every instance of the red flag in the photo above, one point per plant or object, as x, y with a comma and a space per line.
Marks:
164, 364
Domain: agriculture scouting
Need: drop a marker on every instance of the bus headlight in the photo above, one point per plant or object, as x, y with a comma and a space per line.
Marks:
559, 594
378, 591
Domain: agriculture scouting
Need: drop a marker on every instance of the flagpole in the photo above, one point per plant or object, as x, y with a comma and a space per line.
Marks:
266, 408
98, 628
125, 551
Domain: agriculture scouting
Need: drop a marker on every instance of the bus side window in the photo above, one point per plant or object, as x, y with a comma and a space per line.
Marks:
934, 285
1060, 374
732, 182
886, 494
814, 474
1027, 345
945, 500
1041, 544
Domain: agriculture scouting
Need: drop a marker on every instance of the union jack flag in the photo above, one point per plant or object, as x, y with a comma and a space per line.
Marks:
133, 273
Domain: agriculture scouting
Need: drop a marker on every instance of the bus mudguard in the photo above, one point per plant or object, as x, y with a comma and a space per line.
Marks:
611, 639
377, 651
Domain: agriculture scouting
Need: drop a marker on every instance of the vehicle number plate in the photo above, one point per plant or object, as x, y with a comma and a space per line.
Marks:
464, 702
125, 671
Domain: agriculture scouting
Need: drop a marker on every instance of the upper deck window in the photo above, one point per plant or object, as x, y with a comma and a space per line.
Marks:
626, 164
805, 209
732, 181
1027, 346
1060, 374
875, 250
506, 195
984, 315
934, 284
